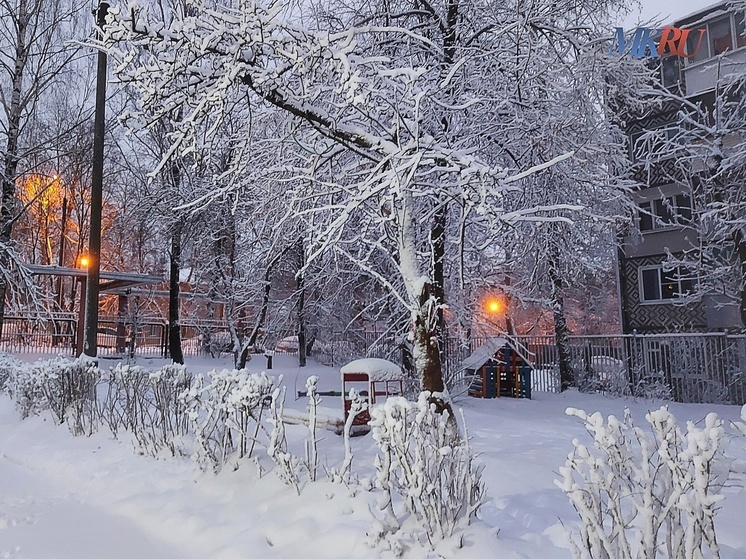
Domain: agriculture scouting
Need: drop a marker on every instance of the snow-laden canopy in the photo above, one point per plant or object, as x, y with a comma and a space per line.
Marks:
488, 349
376, 369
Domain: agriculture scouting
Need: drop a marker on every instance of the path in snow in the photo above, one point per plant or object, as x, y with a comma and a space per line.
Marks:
38, 518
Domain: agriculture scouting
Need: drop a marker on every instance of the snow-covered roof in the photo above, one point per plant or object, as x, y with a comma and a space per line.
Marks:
488, 349
376, 369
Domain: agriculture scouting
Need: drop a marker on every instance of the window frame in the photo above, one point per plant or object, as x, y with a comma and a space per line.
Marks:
675, 62
677, 278
678, 218
707, 42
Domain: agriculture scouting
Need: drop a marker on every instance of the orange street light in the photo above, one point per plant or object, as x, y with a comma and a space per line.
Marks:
84, 262
494, 306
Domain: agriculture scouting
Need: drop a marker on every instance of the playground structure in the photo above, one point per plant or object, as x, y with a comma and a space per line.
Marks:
376, 379
499, 368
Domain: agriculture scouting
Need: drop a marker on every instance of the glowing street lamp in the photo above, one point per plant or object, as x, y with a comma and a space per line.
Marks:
494, 306
83, 263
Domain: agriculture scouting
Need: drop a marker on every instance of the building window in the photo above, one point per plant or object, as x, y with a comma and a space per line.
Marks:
670, 71
698, 45
740, 31
665, 212
721, 35
658, 284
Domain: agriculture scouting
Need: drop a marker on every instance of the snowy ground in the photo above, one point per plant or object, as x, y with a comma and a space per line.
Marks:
63, 497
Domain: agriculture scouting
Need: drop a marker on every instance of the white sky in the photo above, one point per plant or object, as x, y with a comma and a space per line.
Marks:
666, 10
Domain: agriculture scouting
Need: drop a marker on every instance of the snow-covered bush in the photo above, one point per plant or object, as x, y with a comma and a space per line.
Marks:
224, 412
645, 495
312, 454
741, 426
8, 364
277, 448
428, 464
147, 404
70, 389
66, 387
358, 404
25, 385
122, 406
652, 387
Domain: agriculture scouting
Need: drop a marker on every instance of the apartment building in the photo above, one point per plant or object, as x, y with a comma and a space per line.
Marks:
655, 296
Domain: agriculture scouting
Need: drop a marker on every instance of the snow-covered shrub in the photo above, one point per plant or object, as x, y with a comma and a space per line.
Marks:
601, 373
147, 404
287, 464
358, 404
65, 386
224, 412
70, 389
428, 464
25, 385
652, 387
312, 455
169, 420
123, 405
8, 364
646, 496
741, 426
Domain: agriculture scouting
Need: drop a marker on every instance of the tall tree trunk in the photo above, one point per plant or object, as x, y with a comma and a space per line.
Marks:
10, 168
561, 333
437, 289
740, 240
425, 306
435, 334
426, 351
301, 306
251, 340
174, 324
508, 304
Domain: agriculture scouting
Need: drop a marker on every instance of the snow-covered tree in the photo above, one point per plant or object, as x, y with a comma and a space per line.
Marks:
34, 61
386, 133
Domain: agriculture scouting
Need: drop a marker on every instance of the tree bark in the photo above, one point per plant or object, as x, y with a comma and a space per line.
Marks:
426, 352
260, 319
740, 240
174, 324
10, 167
301, 306
561, 333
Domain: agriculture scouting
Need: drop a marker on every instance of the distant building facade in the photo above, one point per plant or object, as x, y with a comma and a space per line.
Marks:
653, 297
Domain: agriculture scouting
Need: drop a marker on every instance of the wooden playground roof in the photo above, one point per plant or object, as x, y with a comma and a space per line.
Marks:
489, 348
109, 282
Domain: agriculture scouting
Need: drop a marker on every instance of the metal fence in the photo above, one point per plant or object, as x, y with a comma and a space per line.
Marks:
695, 368
706, 367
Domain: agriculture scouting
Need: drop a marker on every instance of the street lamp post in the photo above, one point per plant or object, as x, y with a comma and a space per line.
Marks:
81, 310
94, 240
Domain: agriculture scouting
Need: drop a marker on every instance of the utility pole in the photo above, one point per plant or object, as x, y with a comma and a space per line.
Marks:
97, 179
